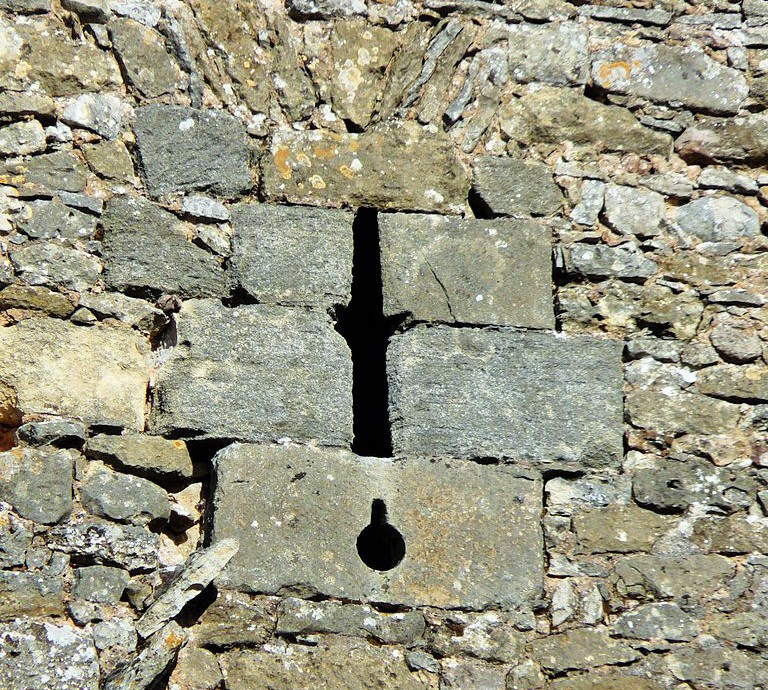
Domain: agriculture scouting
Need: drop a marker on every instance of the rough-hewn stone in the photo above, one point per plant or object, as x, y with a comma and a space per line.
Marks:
44, 219
581, 648
553, 53
388, 167
292, 255
185, 150
673, 411
714, 219
235, 375
619, 529
748, 382
100, 583
457, 553
53, 264
130, 310
140, 454
36, 297
22, 138
466, 271
35, 593
600, 261
97, 113
146, 249
726, 140
476, 393
235, 619
98, 374
661, 73
719, 667
634, 210
666, 621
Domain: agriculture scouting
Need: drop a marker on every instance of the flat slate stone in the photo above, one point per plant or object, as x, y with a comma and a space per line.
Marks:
467, 271
671, 75
389, 167
255, 373
186, 149
293, 255
297, 513
145, 249
531, 397
97, 374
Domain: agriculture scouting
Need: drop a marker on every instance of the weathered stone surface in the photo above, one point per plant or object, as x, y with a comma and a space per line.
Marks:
512, 187
389, 167
54, 219
673, 411
325, 8
431, 269
143, 57
580, 648
109, 159
235, 618
490, 635
457, 553
553, 53
96, 11
553, 115
15, 539
664, 621
619, 529
565, 495
100, 583
56, 432
59, 171
35, 654
198, 573
121, 496
200, 206
130, 310
141, 672
196, 669
43, 52
22, 138
150, 456
684, 579
673, 75
634, 210
607, 679
36, 297
185, 150
235, 375
737, 139
714, 219
52, 264
293, 255
748, 629
748, 382
300, 617
132, 548
471, 675
602, 261
717, 177
37, 482
718, 667
98, 374
673, 485
97, 113
590, 204
36, 593
145, 248
734, 534
440, 378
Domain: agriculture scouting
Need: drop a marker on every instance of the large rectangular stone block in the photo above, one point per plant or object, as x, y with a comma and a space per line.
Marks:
531, 397
293, 254
467, 271
255, 373
390, 166
97, 374
471, 532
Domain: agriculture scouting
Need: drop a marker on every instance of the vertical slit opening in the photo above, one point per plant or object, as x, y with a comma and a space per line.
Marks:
366, 331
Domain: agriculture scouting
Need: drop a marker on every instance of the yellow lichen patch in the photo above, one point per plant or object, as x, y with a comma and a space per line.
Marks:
303, 159
281, 162
346, 171
325, 151
179, 444
317, 182
620, 69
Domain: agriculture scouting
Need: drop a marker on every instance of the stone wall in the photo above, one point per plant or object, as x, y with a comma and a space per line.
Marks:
383, 344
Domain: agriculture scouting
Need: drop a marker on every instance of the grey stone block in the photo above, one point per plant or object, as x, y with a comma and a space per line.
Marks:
185, 149
255, 373
512, 187
467, 271
553, 53
145, 249
293, 255
298, 512
151, 456
530, 397
100, 583
53, 264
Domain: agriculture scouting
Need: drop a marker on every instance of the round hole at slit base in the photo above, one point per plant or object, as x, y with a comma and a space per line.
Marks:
380, 545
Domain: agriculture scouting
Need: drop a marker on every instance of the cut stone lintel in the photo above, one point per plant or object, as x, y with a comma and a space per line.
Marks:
532, 397
472, 536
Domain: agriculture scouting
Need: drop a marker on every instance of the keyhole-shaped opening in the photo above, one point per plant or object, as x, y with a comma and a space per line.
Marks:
380, 546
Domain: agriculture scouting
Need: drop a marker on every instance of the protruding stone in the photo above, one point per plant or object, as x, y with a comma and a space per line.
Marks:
150, 456
109, 159
36, 297
388, 167
42, 219
22, 138
313, 9
748, 382
512, 187
236, 375
37, 482
98, 374
145, 248
601, 261
494, 384
132, 311
31, 593
96, 11
100, 114
671, 75
467, 271
666, 621
449, 537
714, 219
186, 150
293, 255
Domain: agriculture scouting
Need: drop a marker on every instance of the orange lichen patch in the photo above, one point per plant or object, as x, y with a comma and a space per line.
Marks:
620, 69
325, 152
281, 162
173, 641
179, 444
346, 171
